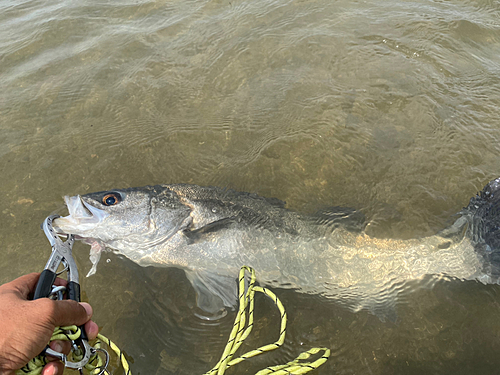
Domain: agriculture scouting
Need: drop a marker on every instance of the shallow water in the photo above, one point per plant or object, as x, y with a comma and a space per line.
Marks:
390, 107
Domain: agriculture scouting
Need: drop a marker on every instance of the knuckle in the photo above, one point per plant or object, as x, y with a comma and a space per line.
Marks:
46, 305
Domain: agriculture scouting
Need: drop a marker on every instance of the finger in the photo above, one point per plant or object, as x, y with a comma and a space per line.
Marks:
53, 368
23, 285
67, 312
60, 282
60, 346
92, 329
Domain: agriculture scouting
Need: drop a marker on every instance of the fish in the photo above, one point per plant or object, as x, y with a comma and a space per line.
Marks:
211, 232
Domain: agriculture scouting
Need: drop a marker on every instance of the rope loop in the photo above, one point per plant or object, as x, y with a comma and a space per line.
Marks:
241, 329
95, 365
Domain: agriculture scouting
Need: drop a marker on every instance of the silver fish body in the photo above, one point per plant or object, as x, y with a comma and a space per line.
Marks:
211, 232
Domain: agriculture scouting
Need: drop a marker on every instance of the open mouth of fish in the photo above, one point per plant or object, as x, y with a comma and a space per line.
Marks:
82, 218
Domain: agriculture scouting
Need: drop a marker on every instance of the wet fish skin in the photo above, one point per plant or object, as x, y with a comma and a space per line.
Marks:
207, 231
483, 213
211, 232
183, 215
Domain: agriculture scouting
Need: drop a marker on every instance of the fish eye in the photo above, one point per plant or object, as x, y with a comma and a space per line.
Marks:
111, 199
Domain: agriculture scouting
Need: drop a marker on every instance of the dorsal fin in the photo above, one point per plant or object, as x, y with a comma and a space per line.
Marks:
333, 217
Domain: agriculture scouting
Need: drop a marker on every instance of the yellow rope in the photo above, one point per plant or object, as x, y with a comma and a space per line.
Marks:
118, 352
94, 366
241, 330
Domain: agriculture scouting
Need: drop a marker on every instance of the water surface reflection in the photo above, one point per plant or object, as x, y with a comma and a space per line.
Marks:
390, 106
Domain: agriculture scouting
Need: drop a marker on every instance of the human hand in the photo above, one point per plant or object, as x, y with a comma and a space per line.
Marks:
27, 326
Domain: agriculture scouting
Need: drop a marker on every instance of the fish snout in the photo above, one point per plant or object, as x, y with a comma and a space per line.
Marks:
82, 217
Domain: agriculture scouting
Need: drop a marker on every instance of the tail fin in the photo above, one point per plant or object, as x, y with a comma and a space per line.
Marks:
484, 230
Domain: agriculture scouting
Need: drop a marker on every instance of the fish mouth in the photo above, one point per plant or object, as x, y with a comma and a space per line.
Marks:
82, 217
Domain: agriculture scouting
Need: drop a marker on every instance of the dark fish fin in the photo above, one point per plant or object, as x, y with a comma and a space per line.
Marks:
276, 202
213, 292
347, 217
386, 314
196, 234
483, 213
230, 193
385, 310
456, 230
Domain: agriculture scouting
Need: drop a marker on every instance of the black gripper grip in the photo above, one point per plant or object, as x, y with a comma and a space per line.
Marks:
44, 285
73, 290
84, 334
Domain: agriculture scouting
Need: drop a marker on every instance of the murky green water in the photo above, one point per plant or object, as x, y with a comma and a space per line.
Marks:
392, 107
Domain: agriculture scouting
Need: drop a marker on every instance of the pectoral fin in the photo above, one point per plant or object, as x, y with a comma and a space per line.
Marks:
214, 292
386, 313
195, 235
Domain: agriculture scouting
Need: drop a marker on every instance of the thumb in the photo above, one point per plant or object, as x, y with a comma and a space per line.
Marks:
22, 286
68, 312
